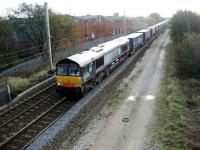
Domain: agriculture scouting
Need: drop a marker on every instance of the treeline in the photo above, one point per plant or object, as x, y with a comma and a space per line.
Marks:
25, 27
154, 18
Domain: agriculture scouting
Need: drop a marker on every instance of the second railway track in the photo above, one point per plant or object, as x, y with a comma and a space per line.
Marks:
12, 111
22, 123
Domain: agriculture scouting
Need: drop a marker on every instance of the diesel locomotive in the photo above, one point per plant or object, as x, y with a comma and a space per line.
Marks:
81, 71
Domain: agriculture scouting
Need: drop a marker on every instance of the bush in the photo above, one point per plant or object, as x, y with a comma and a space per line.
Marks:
39, 77
191, 88
187, 56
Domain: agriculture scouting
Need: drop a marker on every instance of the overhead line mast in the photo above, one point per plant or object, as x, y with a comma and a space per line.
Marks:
48, 39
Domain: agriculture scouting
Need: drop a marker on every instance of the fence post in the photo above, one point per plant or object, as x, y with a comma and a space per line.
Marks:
8, 89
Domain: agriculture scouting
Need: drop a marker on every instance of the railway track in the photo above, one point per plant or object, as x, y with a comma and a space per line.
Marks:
22, 123
11, 111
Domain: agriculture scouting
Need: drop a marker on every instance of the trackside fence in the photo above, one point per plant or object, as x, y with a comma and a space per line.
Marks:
4, 93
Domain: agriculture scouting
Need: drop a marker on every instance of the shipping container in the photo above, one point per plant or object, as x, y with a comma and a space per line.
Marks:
146, 34
135, 41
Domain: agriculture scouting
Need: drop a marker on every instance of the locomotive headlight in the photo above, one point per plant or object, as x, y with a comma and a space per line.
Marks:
59, 83
78, 85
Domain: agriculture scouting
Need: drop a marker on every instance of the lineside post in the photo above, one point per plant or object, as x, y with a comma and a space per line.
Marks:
48, 35
8, 89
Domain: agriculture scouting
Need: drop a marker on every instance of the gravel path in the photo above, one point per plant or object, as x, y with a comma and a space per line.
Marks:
134, 100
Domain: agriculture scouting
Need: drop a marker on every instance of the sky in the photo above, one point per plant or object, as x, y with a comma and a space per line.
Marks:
132, 8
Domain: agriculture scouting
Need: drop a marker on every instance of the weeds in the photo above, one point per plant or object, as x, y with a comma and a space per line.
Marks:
19, 84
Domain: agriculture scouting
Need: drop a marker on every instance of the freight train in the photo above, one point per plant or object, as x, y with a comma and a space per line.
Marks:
82, 71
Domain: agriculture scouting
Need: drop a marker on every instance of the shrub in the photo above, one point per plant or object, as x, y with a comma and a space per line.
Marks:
39, 77
187, 56
184, 22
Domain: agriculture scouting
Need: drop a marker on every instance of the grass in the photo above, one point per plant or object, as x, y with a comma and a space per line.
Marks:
178, 97
118, 96
20, 84
136, 75
170, 113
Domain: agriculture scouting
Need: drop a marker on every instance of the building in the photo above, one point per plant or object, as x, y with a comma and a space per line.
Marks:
100, 26
91, 27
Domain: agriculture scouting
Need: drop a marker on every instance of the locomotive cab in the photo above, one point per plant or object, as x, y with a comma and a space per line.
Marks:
69, 75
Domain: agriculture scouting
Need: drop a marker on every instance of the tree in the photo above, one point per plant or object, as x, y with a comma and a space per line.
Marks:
187, 56
7, 45
6, 32
29, 21
62, 27
154, 18
184, 22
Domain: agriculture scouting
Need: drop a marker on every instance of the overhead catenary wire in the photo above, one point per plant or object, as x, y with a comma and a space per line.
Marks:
21, 60
15, 63
7, 56
17, 51
38, 54
20, 55
28, 58
53, 50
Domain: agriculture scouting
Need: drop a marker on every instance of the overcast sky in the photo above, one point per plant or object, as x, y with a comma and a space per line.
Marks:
165, 8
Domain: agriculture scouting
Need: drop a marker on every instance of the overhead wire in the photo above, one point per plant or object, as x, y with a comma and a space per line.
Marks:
21, 60
17, 51
38, 54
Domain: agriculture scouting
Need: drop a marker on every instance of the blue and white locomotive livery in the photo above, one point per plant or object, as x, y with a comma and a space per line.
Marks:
81, 71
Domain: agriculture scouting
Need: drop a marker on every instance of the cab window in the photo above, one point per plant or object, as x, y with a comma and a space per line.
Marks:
74, 71
85, 69
90, 67
62, 70
65, 70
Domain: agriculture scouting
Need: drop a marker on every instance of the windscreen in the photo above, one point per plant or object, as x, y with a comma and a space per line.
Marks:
74, 71
62, 70
66, 70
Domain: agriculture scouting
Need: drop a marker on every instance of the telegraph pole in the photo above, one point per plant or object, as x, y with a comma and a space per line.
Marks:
48, 40
124, 23
188, 23
87, 32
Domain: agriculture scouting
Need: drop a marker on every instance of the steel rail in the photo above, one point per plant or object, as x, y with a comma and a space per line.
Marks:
43, 99
7, 142
5, 112
24, 147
